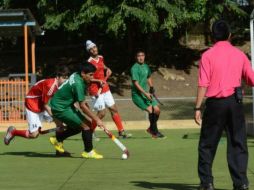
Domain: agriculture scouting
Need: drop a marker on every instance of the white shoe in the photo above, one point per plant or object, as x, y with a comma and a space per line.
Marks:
96, 138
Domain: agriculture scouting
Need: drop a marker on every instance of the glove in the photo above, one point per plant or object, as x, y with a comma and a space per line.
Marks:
151, 90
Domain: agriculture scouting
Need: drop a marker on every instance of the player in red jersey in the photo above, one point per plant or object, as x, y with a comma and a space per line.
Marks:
104, 99
36, 106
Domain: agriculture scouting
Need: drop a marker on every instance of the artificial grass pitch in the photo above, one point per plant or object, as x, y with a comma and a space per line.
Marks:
169, 163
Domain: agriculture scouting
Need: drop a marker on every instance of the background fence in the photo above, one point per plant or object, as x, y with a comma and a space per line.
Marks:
12, 94
174, 108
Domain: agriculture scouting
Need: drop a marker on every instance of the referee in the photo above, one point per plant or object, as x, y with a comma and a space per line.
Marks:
221, 71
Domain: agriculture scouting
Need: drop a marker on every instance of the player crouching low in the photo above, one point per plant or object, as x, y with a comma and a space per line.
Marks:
36, 105
63, 108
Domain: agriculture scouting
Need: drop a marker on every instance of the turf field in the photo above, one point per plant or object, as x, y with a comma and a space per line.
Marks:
154, 164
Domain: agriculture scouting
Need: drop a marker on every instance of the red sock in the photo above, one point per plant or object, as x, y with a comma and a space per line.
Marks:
94, 125
118, 121
21, 133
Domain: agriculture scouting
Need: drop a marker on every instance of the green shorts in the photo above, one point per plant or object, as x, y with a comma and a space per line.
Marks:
142, 102
71, 117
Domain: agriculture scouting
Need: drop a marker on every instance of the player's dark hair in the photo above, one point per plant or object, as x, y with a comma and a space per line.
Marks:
62, 71
140, 51
87, 67
220, 30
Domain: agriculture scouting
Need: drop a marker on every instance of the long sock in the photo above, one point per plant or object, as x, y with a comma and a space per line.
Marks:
118, 121
152, 119
156, 118
94, 125
87, 140
21, 133
62, 135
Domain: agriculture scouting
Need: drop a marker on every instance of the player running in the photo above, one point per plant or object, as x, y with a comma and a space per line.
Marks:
103, 99
36, 105
63, 108
142, 98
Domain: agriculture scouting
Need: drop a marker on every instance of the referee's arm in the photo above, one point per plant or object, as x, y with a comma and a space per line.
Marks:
200, 96
203, 83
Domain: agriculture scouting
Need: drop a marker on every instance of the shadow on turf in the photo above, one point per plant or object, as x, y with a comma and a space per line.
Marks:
100, 137
32, 154
173, 186
73, 139
133, 137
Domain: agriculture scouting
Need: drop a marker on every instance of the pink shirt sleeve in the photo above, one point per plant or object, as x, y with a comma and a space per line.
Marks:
204, 72
248, 73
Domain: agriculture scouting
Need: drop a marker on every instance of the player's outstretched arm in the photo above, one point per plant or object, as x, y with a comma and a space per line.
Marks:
48, 109
89, 113
101, 82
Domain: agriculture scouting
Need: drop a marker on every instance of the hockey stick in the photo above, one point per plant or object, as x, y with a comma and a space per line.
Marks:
58, 129
157, 99
99, 92
47, 130
116, 141
113, 138
110, 135
100, 89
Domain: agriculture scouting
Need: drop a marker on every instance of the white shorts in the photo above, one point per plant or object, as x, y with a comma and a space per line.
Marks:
34, 119
104, 100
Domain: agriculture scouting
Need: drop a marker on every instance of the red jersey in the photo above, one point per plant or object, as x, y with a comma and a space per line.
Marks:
99, 74
40, 94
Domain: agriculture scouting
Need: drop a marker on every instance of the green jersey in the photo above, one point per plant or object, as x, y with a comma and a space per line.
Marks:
140, 73
71, 91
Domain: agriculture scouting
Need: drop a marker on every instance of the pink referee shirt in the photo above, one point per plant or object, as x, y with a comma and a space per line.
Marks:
221, 69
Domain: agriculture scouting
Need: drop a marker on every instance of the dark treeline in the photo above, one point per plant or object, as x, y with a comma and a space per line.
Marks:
160, 27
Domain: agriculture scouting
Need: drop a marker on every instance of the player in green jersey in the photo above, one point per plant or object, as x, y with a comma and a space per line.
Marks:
142, 96
63, 108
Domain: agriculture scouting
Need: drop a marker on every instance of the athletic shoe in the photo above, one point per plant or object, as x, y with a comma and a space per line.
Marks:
9, 136
160, 135
151, 133
92, 154
57, 145
208, 186
64, 154
124, 135
242, 187
96, 138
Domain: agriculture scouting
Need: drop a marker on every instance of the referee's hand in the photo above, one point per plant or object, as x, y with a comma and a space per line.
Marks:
197, 117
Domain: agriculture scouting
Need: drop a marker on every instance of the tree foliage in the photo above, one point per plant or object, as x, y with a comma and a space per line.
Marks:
124, 25
118, 16
147, 15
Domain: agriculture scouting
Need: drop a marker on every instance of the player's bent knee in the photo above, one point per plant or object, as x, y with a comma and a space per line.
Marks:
113, 109
85, 126
34, 134
157, 112
101, 114
149, 109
